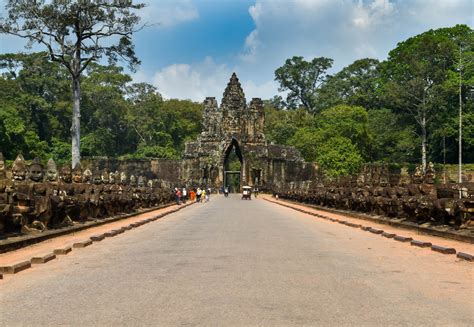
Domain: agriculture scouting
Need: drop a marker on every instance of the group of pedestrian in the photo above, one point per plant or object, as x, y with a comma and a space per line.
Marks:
203, 194
180, 195
199, 195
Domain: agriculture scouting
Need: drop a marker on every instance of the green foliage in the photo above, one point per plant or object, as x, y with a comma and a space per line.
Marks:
119, 119
303, 79
281, 125
392, 140
338, 156
386, 109
155, 151
357, 84
346, 121
307, 140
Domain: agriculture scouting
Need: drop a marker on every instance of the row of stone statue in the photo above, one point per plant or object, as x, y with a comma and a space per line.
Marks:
446, 204
33, 199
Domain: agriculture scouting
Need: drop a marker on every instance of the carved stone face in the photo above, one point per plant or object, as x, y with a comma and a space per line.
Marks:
141, 181
133, 180
87, 176
77, 174
51, 171
111, 178
3, 173
66, 174
97, 179
19, 169
36, 171
123, 178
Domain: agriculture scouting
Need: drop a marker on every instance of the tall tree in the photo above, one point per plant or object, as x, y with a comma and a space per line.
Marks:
415, 72
356, 85
303, 79
76, 33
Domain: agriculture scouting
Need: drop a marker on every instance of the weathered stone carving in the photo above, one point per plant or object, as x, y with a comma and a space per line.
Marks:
51, 171
3, 171
43, 202
19, 170
238, 127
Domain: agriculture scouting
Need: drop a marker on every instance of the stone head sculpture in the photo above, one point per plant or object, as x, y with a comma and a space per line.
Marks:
87, 176
133, 180
36, 171
77, 174
96, 179
19, 170
141, 181
111, 178
105, 177
418, 175
66, 174
123, 178
405, 178
430, 174
3, 171
51, 171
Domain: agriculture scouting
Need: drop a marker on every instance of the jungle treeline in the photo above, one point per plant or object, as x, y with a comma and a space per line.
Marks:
403, 109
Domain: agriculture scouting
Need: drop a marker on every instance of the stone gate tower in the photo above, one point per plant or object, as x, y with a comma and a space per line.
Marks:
236, 126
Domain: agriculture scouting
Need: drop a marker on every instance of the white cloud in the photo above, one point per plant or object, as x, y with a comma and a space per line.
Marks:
344, 30
168, 13
251, 46
201, 80
194, 82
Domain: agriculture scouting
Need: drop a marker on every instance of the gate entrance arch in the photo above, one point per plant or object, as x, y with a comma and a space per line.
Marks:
232, 149
232, 164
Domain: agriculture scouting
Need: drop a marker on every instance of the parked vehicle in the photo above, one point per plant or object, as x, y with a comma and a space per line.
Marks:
246, 193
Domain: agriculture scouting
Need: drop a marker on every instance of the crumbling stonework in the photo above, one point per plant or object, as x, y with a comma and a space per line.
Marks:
236, 126
34, 198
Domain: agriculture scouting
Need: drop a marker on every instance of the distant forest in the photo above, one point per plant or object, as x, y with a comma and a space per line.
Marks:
403, 109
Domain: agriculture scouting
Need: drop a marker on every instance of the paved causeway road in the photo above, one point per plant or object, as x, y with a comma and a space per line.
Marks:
233, 262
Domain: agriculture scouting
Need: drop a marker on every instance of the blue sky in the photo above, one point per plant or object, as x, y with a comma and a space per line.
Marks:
195, 45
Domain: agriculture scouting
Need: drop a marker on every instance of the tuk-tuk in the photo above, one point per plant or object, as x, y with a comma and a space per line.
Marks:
246, 193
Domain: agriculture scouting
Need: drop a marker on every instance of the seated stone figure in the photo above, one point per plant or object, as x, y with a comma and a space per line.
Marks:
66, 201
430, 174
40, 197
81, 195
5, 191
21, 200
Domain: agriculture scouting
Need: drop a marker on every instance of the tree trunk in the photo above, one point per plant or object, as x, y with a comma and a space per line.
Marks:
460, 118
76, 121
423, 142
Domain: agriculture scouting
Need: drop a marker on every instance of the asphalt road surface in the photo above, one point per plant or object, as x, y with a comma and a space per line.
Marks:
234, 262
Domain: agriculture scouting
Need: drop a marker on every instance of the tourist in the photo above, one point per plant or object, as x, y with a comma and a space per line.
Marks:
177, 193
184, 194
198, 194
208, 194
204, 195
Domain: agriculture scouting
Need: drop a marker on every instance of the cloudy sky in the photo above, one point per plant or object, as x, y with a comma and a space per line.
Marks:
193, 46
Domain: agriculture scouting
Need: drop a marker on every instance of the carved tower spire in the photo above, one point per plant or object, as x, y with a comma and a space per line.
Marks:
233, 108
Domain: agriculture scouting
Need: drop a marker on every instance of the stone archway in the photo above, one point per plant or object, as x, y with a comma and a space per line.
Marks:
233, 164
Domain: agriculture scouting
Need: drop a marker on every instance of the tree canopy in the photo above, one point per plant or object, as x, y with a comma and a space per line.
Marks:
76, 34
403, 109
119, 118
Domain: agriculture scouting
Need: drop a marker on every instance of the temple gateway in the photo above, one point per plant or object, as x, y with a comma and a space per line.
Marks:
232, 150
